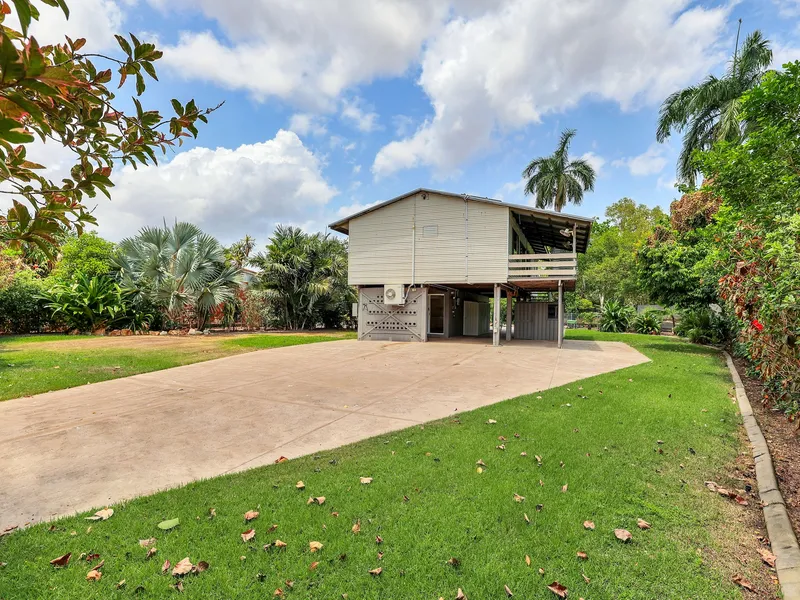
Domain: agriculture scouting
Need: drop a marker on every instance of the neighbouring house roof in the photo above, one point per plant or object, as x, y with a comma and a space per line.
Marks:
540, 226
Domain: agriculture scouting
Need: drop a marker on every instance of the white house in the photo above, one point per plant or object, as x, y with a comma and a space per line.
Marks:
426, 264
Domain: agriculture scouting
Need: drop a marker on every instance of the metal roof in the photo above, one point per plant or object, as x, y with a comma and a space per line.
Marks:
540, 224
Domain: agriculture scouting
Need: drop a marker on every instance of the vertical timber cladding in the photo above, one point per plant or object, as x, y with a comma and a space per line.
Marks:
402, 323
536, 321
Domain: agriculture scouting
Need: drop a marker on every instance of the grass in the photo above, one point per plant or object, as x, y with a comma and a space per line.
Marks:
36, 364
607, 442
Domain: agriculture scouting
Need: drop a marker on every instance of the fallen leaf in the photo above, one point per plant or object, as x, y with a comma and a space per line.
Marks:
501, 447
376, 572
453, 561
279, 544
539, 507
182, 568
541, 571
508, 591
538, 459
281, 459
179, 586
147, 542
313, 566
165, 567
170, 524
315, 546
319, 500
527, 560
300, 485
558, 589
563, 488
480, 463
121, 584
93, 575
278, 593
767, 556
491, 422
460, 595
588, 525
740, 500
150, 553
201, 566
272, 528
502, 438
250, 515
518, 498
357, 527
248, 535
642, 524
742, 582
366, 480
380, 555
623, 535
212, 513
8, 530
585, 578
101, 515
523, 454
378, 539
527, 519
61, 561
583, 555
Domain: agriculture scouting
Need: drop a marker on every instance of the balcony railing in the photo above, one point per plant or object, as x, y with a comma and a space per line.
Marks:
542, 266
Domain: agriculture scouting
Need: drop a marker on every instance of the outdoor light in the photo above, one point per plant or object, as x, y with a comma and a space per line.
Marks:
566, 232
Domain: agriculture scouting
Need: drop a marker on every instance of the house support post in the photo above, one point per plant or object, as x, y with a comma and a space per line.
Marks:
560, 313
509, 300
496, 316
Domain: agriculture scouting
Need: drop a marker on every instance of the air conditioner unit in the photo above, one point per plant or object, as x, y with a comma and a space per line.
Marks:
394, 295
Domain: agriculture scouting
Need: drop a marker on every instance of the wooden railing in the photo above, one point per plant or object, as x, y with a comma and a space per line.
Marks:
542, 266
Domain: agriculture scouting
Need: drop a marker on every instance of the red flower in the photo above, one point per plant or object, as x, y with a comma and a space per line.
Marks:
757, 324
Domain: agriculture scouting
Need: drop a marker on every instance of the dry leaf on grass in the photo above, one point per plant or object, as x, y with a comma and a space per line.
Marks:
480, 463
357, 527
507, 591
558, 589
281, 459
272, 528
315, 546
583, 556
767, 556
453, 561
376, 572
623, 535
741, 581
527, 519
250, 515
491, 422
150, 553
201, 566
313, 565
93, 575
147, 542
278, 593
642, 524
366, 480
279, 544
61, 561
501, 447
121, 584
378, 539
300, 485
101, 515
527, 560
563, 488
588, 525
460, 595
318, 500
518, 498
165, 567
248, 535
182, 568
585, 578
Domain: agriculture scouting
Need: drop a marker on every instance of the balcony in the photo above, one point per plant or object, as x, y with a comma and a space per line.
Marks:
542, 268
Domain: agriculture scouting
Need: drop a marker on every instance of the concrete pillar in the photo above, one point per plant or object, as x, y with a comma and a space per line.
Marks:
509, 300
496, 317
560, 313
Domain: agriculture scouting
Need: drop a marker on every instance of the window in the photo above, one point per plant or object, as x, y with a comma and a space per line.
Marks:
430, 231
552, 311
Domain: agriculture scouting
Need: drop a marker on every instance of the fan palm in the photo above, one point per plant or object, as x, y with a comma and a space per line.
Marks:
179, 268
556, 180
710, 111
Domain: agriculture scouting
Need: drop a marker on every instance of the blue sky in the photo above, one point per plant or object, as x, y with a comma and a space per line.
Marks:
333, 105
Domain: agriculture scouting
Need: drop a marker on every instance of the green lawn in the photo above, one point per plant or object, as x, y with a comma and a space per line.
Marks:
429, 504
35, 364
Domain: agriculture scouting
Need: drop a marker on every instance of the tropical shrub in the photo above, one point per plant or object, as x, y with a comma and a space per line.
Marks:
21, 305
305, 280
180, 269
648, 322
255, 308
87, 254
704, 326
89, 304
616, 317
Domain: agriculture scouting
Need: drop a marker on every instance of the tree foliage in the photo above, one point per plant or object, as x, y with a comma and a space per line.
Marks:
556, 180
710, 111
57, 93
305, 277
87, 254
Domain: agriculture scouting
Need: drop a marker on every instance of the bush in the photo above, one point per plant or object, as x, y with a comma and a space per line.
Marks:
704, 326
88, 255
616, 317
21, 305
648, 322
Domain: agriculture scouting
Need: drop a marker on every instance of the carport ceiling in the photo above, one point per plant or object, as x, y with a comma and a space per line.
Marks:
545, 230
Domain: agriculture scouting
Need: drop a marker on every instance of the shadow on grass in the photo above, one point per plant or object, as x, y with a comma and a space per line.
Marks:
682, 347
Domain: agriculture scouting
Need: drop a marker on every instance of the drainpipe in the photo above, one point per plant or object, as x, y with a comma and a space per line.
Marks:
466, 238
414, 245
560, 312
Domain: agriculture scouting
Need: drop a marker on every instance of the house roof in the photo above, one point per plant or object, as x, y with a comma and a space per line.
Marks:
542, 227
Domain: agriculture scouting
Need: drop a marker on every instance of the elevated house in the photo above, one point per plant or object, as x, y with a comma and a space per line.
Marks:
427, 263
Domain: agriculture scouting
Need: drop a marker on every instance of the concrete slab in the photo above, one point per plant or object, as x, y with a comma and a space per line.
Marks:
75, 449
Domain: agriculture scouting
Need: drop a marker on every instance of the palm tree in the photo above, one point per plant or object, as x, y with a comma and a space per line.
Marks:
710, 111
305, 276
556, 180
178, 268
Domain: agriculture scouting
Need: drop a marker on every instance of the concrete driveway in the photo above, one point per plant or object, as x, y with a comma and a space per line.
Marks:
89, 446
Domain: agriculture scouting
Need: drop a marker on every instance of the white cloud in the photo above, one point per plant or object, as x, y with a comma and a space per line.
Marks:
363, 119
402, 124
649, 162
505, 68
782, 54
667, 183
95, 20
788, 8
303, 50
511, 191
305, 123
595, 160
351, 209
356, 169
227, 192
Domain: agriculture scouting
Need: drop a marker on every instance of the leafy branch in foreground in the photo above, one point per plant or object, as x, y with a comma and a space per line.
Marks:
57, 93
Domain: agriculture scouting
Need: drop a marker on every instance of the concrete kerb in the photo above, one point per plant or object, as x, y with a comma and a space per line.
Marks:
779, 528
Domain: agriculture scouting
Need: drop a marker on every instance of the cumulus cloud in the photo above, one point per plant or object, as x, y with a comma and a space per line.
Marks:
649, 162
363, 119
95, 20
227, 192
305, 123
595, 160
547, 68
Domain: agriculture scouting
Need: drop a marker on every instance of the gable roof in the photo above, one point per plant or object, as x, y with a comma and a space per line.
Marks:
548, 221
